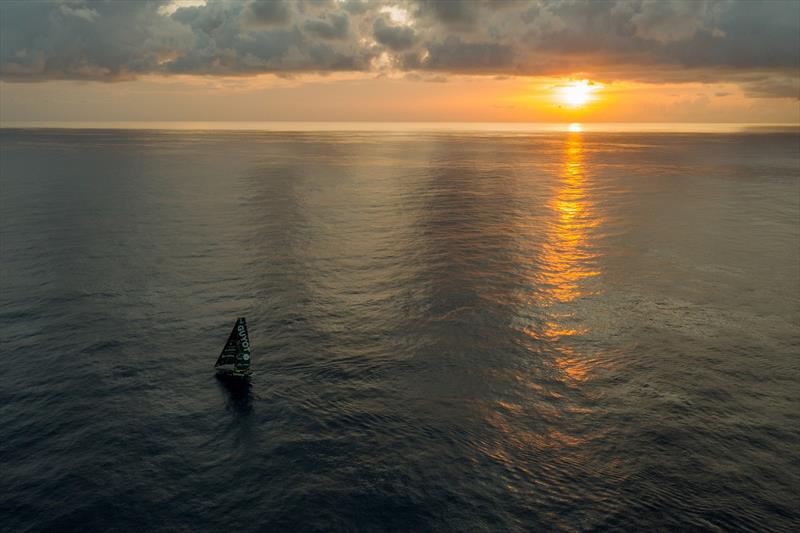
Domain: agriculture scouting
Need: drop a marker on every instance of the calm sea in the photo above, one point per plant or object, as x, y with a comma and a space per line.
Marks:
453, 331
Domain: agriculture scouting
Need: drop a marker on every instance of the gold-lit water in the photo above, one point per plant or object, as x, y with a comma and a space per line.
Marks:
566, 258
566, 262
566, 255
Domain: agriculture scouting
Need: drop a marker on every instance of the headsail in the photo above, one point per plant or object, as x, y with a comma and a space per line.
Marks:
237, 350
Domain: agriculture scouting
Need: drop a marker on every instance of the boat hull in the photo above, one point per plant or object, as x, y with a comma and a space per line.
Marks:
233, 373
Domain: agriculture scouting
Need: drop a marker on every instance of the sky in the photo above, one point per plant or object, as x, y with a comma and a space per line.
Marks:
400, 60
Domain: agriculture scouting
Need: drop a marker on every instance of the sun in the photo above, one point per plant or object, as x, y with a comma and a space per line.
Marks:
578, 93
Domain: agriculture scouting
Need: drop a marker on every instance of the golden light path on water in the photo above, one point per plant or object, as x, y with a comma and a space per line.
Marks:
567, 255
565, 262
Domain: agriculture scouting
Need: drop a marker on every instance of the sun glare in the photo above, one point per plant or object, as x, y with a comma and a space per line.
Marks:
578, 93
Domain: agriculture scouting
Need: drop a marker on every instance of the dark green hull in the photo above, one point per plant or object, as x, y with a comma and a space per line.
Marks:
233, 373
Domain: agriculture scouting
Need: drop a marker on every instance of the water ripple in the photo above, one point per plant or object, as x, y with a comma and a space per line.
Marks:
562, 331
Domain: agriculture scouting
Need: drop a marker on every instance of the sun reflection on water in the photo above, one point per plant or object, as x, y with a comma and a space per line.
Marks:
554, 318
566, 257
567, 260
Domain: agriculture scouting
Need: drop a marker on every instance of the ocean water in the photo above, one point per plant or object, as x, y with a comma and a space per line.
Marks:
453, 331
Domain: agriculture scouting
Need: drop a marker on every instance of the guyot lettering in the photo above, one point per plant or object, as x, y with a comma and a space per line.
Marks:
243, 339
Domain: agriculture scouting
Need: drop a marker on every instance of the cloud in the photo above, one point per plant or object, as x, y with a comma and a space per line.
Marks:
268, 12
461, 16
752, 43
773, 87
414, 76
355, 7
335, 27
72, 40
397, 38
84, 13
455, 55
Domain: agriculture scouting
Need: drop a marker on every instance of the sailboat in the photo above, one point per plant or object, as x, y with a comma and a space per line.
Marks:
234, 361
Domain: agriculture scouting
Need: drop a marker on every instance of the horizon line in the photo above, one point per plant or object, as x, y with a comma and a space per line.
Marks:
388, 126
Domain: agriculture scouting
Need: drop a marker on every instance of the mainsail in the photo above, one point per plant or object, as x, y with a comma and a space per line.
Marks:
237, 350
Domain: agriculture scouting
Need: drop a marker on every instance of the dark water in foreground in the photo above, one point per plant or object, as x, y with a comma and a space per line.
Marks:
452, 331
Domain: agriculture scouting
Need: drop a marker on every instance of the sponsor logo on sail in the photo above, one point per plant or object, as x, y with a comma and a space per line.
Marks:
244, 342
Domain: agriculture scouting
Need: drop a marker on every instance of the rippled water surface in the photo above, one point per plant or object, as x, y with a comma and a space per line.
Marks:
452, 331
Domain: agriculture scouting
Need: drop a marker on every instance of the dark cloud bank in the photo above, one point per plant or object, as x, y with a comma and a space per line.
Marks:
755, 43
